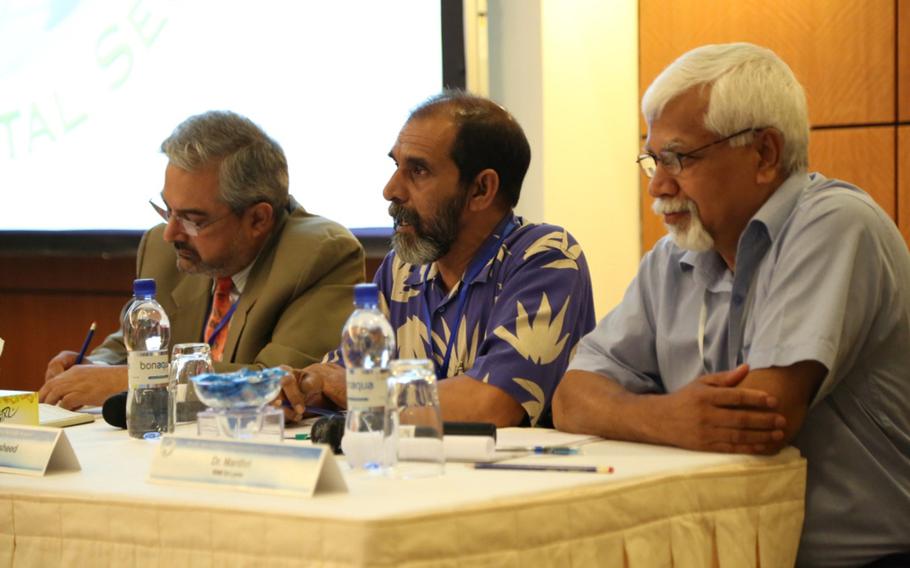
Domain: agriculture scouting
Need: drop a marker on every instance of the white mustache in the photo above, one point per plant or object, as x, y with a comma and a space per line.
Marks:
664, 206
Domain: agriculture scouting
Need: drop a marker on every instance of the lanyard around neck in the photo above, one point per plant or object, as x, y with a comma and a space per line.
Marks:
221, 324
485, 255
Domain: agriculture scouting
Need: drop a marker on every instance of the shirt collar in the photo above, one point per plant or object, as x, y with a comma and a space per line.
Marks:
239, 280
709, 269
241, 277
496, 235
777, 209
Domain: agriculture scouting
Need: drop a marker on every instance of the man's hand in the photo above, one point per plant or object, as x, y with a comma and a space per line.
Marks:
82, 385
713, 413
61, 362
320, 385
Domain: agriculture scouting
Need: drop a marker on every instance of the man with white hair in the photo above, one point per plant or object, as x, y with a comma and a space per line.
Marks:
777, 310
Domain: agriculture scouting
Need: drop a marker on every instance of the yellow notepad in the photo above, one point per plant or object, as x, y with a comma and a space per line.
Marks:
19, 407
57, 417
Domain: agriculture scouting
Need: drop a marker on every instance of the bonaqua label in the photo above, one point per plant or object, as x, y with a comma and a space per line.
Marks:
148, 368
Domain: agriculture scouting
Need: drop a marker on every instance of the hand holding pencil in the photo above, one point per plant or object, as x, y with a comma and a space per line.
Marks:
68, 359
85, 344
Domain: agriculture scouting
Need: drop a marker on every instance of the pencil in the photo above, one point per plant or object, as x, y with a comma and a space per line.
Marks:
544, 467
88, 339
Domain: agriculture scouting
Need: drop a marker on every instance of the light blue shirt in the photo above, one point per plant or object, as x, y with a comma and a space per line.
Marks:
822, 274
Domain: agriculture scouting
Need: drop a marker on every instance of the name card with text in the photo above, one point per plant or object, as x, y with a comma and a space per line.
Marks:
34, 450
269, 467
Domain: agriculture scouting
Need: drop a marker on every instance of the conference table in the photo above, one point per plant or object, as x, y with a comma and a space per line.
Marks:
659, 507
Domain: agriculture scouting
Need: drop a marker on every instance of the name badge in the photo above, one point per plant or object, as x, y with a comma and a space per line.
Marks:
266, 467
34, 450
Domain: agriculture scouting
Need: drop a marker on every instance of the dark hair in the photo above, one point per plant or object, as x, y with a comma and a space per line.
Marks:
488, 137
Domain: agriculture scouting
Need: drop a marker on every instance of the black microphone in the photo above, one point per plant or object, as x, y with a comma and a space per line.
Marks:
114, 410
328, 430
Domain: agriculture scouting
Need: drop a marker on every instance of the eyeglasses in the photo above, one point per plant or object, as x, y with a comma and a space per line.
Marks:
189, 227
672, 161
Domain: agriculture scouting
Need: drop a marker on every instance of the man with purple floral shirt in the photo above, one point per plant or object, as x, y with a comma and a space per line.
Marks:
496, 303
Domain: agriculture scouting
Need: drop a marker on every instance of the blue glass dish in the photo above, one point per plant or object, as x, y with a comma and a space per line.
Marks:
246, 388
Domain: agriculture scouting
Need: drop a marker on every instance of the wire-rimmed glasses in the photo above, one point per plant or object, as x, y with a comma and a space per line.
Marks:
672, 161
189, 227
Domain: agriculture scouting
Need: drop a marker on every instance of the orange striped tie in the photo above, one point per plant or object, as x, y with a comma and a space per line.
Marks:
221, 305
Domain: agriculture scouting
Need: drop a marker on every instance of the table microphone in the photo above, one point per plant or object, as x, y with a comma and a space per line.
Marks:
328, 430
114, 410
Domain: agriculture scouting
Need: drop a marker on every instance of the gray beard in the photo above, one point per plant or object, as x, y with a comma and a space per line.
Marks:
437, 237
414, 249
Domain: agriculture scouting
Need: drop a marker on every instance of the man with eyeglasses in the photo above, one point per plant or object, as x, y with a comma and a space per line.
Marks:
776, 312
238, 262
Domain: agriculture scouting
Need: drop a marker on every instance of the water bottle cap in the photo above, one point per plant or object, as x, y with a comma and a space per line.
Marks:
366, 295
144, 287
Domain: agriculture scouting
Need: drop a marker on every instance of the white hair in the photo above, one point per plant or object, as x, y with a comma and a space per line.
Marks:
750, 87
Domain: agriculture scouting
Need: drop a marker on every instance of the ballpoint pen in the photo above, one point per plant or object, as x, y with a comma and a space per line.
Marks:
88, 339
553, 450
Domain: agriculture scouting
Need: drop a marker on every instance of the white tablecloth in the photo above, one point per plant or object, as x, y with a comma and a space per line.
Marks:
661, 507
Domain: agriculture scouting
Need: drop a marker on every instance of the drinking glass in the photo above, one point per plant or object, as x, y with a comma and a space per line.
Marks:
188, 360
415, 419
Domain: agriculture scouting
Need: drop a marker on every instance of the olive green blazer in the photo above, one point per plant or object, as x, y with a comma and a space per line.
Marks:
297, 297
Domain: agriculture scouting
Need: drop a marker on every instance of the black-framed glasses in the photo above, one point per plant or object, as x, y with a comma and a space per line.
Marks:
189, 227
672, 161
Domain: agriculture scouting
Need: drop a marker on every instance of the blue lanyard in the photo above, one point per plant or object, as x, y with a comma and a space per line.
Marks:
480, 261
224, 321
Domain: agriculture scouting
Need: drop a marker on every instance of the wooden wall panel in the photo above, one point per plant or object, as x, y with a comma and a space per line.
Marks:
861, 156
38, 326
903, 180
48, 303
903, 59
78, 274
842, 51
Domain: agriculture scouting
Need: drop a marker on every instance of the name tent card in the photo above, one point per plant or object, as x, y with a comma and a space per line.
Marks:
35, 450
266, 467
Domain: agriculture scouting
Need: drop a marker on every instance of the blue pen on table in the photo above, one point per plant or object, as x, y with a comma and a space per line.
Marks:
88, 339
545, 467
551, 450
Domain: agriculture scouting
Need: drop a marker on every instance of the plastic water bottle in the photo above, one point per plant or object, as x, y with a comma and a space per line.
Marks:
146, 333
368, 344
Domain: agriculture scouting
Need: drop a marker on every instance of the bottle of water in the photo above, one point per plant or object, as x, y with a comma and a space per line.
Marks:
368, 344
146, 333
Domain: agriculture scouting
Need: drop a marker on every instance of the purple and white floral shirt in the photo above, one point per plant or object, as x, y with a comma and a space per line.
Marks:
524, 312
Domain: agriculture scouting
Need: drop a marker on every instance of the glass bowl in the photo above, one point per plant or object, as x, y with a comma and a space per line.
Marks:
246, 388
